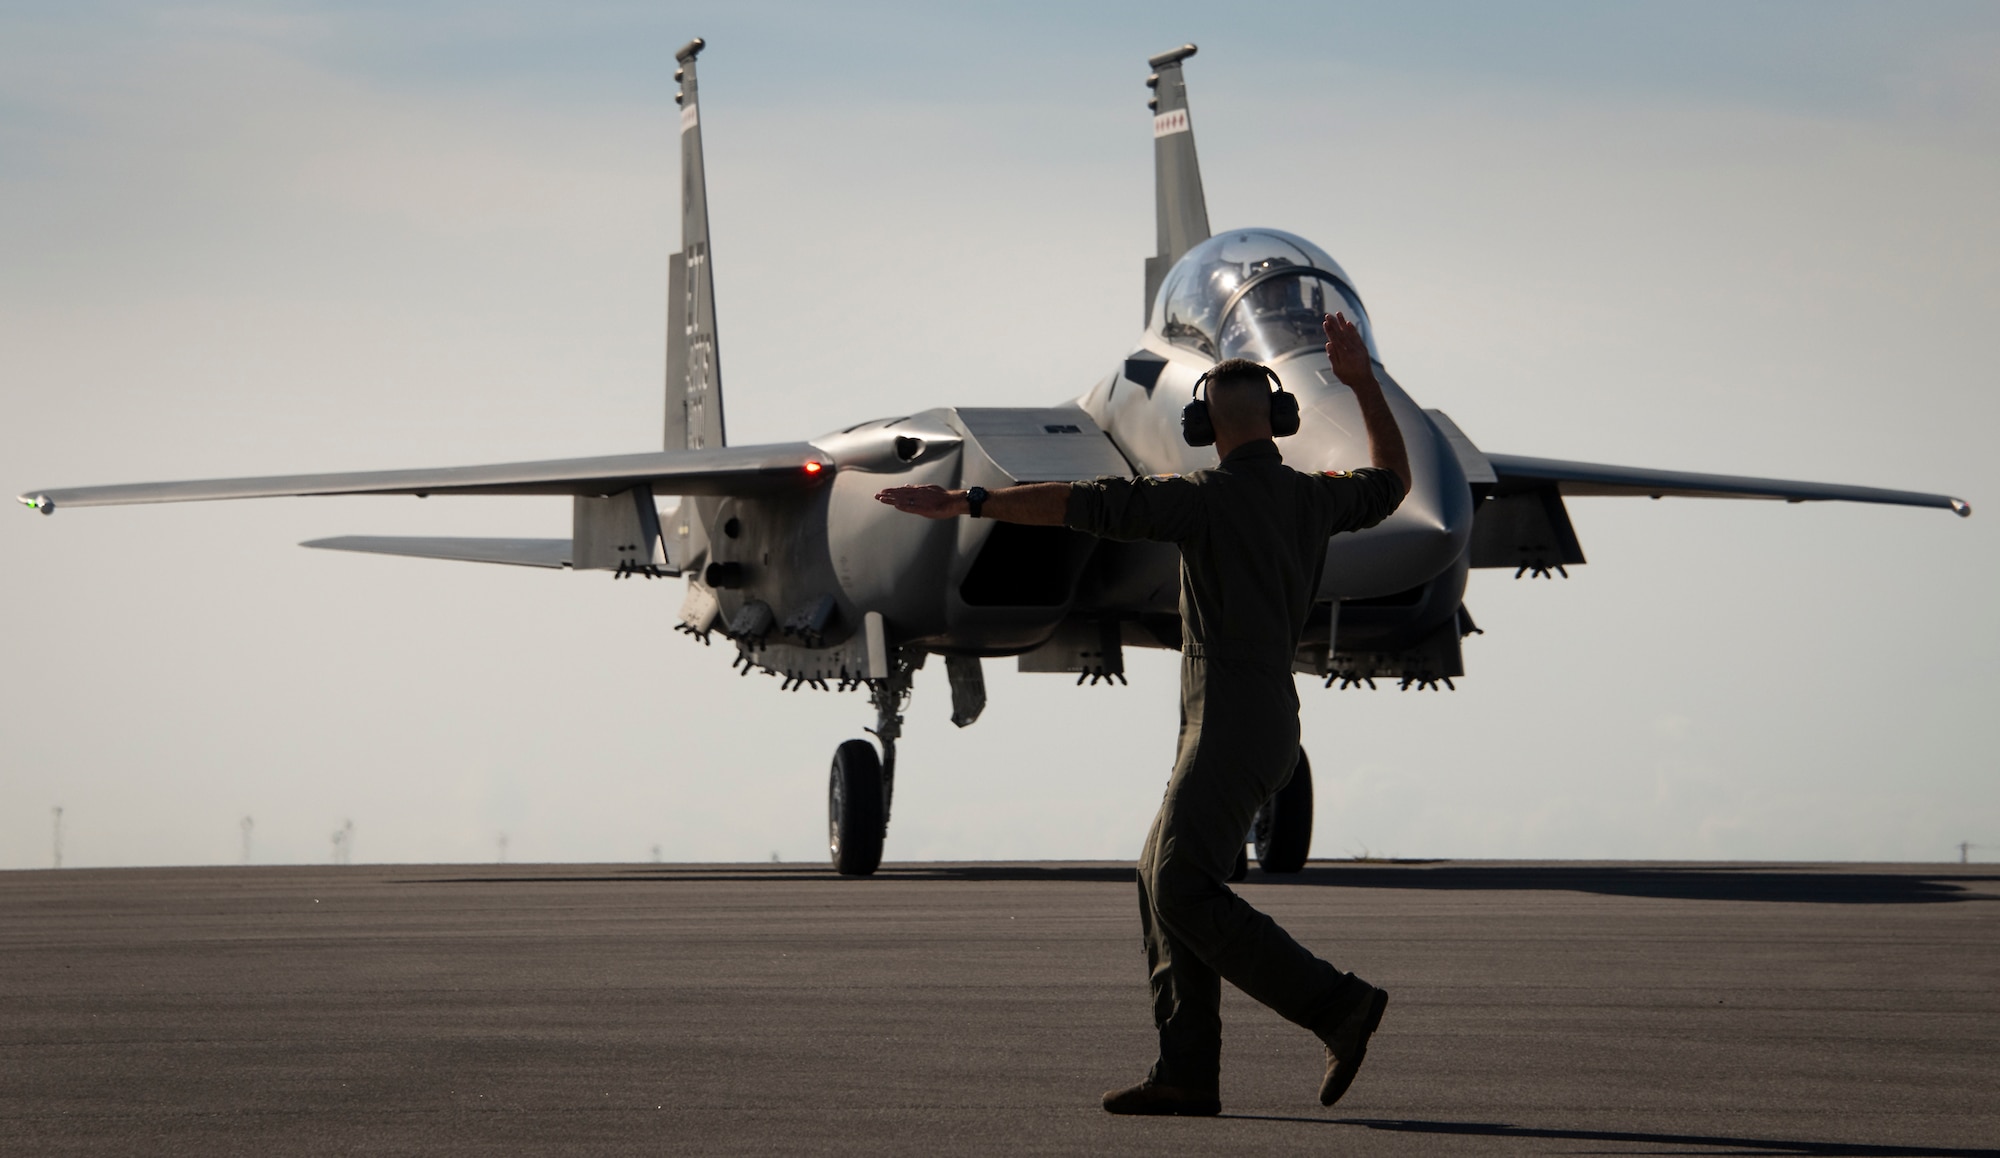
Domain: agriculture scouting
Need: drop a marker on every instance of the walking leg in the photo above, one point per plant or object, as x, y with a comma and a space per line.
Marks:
1245, 746
1187, 996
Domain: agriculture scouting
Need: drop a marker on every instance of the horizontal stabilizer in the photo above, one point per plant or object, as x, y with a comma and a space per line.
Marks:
519, 552
1588, 478
735, 470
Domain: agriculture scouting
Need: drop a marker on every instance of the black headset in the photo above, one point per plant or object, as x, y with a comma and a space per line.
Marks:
1198, 429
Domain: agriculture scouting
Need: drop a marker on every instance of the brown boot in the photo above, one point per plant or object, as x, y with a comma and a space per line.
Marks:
1348, 1044
1147, 1098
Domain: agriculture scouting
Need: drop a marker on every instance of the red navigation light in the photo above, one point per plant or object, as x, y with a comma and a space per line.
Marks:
814, 467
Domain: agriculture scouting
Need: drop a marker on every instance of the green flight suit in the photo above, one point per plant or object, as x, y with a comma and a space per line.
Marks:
1252, 534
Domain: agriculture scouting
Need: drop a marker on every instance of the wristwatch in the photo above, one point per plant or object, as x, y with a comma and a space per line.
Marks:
975, 499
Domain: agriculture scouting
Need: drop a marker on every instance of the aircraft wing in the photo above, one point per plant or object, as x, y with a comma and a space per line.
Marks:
1523, 525
730, 470
1515, 473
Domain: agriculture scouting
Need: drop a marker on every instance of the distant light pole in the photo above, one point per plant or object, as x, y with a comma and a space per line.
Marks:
58, 811
343, 843
247, 824
1964, 850
503, 848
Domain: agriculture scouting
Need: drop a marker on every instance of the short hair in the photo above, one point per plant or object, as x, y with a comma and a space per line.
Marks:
1237, 388
1231, 371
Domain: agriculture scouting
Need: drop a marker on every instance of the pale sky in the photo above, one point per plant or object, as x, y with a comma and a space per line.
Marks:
261, 238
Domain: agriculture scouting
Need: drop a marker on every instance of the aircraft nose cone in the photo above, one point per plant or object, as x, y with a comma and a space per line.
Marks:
1422, 512
1419, 541
1427, 533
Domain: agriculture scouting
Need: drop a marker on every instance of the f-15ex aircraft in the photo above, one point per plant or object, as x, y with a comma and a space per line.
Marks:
789, 557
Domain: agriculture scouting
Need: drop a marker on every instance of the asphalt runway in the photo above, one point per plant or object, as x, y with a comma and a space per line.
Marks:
1537, 1009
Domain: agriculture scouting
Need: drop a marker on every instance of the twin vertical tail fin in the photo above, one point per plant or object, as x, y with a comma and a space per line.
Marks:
694, 372
694, 376
1180, 209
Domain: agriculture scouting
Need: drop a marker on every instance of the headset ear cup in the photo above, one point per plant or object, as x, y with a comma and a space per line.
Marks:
1196, 427
1284, 414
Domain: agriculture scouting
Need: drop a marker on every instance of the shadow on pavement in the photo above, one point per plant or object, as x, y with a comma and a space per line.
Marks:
1727, 1144
1680, 882
1831, 886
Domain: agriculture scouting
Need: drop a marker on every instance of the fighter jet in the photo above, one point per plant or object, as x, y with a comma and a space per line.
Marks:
789, 559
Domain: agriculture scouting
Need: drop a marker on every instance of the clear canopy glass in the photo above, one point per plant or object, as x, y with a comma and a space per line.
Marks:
1253, 293
1281, 312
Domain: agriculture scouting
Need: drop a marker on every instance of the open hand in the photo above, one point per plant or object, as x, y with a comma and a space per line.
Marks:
1347, 352
932, 502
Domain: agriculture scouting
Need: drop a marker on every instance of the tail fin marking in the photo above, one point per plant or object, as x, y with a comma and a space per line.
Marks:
694, 373
1180, 209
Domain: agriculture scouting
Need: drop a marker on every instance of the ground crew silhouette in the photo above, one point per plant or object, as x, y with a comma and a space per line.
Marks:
1252, 534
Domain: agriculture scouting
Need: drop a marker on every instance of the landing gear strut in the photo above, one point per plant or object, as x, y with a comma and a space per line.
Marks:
862, 784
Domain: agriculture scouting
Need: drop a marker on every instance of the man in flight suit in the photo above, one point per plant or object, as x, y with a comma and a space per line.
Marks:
1252, 534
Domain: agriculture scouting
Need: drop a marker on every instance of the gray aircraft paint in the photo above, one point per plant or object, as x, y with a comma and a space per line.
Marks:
548, 553
694, 368
730, 470
1180, 209
789, 557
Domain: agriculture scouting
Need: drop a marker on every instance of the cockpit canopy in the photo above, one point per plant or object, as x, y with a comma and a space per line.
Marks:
1254, 293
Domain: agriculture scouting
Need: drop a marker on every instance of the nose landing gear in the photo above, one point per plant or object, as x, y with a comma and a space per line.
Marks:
857, 809
1282, 832
862, 785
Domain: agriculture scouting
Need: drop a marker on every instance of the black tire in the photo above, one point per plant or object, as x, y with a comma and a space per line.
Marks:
1242, 868
1284, 830
855, 818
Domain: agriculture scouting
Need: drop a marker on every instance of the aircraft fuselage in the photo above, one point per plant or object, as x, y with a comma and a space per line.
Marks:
954, 587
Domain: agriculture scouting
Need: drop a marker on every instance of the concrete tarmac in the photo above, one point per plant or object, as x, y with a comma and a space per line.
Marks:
777, 1009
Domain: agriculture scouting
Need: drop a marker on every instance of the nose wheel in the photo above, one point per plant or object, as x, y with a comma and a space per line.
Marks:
862, 784
857, 815
1282, 833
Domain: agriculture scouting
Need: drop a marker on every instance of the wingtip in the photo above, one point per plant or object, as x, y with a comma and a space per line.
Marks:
40, 503
1961, 508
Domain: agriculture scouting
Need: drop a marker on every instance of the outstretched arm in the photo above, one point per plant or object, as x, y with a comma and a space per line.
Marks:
1349, 355
1037, 504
